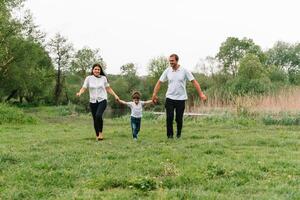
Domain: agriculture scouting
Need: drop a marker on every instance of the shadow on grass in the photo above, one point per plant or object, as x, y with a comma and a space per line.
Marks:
88, 138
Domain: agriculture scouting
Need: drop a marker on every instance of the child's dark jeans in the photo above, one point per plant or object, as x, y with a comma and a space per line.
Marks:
135, 126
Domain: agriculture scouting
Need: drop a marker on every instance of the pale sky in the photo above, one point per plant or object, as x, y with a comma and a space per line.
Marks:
138, 30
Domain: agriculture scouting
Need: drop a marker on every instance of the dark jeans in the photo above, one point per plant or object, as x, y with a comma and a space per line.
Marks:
98, 109
135, 126
178, 106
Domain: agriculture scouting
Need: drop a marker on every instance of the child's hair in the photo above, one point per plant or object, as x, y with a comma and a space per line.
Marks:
136, 95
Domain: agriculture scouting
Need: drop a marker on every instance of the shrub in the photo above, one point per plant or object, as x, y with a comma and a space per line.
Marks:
10, 114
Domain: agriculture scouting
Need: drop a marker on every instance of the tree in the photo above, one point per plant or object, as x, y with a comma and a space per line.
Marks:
208, 66
157, 66
129, 74
128, 69
286, 57
9, 30
61, 51
84, 59
25, 66
234, 49
252, 77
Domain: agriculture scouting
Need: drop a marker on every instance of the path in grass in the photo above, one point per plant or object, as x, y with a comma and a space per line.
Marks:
59, 158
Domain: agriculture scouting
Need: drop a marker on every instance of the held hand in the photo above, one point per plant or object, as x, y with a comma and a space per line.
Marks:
203, 97
78, 94
154, 99
117, 98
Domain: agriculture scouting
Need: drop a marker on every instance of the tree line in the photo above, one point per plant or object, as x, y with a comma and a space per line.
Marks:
36, 71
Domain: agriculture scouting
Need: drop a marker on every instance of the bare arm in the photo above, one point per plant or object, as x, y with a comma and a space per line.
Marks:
110, 91
81, 91
122, 102
155, 91
148, 102
198, 88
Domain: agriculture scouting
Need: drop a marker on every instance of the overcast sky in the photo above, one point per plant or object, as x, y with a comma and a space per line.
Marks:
138, 30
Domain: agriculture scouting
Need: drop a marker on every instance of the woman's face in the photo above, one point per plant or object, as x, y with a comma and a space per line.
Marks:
96, 71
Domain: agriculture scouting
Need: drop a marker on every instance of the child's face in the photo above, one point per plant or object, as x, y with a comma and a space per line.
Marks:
136, 100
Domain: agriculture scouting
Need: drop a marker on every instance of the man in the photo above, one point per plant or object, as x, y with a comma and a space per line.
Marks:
176, 94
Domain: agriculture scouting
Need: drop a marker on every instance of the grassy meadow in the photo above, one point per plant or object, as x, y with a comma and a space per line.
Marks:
54, 155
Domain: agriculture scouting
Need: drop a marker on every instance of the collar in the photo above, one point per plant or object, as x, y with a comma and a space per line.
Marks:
178, 69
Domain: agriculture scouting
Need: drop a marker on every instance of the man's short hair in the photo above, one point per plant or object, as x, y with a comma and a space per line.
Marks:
175, 55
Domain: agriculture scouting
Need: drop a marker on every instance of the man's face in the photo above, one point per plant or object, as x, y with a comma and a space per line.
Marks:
173, 61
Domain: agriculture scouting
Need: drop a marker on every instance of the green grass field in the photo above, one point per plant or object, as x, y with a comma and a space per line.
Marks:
217, 158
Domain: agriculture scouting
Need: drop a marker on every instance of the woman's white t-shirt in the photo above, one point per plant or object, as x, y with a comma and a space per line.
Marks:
136, 109
97, 87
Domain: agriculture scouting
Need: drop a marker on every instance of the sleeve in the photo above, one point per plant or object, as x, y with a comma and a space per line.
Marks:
106, 84
129, 104
164, 77
86, 83
188, 75
142, 103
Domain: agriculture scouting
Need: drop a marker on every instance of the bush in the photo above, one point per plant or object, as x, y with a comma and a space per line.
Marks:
286, 120
10, 114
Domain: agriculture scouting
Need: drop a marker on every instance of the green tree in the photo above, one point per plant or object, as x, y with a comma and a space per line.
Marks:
157, 66
286, 57
252, 77
129, 74
233, 50
25, 67
84, 59
61, 52
9, 30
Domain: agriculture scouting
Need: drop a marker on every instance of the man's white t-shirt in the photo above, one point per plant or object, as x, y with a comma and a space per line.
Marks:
97, 87
136, 109
176, 82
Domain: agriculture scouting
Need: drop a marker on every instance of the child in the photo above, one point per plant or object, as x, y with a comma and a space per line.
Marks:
136, 107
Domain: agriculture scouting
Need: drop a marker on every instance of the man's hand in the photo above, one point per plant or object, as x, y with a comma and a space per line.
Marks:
203, 97
154, 99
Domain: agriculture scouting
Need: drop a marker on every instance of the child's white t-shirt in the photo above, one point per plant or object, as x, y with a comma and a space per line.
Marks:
136, 109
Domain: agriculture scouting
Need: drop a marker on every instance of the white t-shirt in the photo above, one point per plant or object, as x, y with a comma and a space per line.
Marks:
136, 109
97, 87
176, 82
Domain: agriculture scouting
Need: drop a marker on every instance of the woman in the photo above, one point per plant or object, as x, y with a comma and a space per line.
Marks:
98, 87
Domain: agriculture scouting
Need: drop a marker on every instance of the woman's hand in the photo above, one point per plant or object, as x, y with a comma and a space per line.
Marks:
117, 98
82, 90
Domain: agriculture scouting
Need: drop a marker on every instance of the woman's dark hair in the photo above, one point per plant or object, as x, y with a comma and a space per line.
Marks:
102, 73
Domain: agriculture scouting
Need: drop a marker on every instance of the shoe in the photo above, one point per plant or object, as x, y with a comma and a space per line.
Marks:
135, 139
